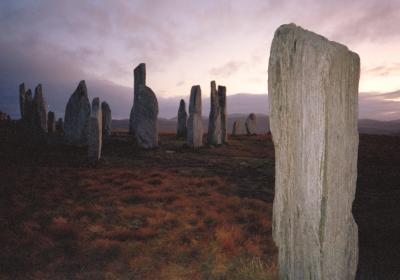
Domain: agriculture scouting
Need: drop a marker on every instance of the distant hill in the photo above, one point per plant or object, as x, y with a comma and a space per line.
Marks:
169, 125
365, 126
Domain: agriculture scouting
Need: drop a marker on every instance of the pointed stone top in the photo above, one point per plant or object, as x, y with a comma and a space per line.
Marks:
213, 86
182, 103
139, 74
22, 88
38, 90
105, 106
95, 106
195, 100
81, 88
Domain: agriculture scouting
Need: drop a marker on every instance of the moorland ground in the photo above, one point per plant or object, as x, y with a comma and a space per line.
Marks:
172, 212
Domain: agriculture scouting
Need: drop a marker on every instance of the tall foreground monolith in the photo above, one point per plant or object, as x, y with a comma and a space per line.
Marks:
107, 121
77, 115
214, 120
95, 132
182, 120
224, 119
313, 88
195, 121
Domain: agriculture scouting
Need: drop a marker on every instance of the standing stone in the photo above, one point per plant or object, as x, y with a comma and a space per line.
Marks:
95, 132
39, 111
144, 113
77, 115
146, 118
139, 78
214, 120
251, 124
25, 104
313, 88
107, 121
51, 122
182, 120
224, 119
60, 125
238, 128
195, 121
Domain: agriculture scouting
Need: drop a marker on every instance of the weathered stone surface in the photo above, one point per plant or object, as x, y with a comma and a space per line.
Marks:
238, 128
182, 120
60, 125
139, 77
313, 88
95, 131
195, 122
51, 122
214, 120
224, 119
146, 118
39, 111
251, 124
107, 121
77, 115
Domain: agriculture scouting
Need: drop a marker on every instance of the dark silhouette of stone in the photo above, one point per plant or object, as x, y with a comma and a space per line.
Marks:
313, 91
77, 115
107, 121
182, 120
39, 111
224, 118
214, 120
139, 77
195, 121
95, 131
60, 125
25, 104
251, 124
51, 122
238, 128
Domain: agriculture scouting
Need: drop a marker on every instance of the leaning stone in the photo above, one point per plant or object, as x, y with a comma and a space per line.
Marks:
51, 122
251, 124
313, 89
146, 118
77, 115
224, 119
107, 121
95, 132
39, 111
238, 128
139, 77
182, 120
214, 120
195, 121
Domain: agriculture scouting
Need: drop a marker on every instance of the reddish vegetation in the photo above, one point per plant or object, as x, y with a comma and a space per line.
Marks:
170, 213
184, 214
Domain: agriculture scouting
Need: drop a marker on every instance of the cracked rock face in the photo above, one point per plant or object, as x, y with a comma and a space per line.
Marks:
106, 122
214, 120
77, 115
95, 131
182, 120
313, 91
195, 121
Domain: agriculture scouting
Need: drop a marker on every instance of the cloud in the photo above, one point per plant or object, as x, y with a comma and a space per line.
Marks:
227, 70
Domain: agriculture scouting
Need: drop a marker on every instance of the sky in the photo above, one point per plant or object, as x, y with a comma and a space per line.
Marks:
183, 43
